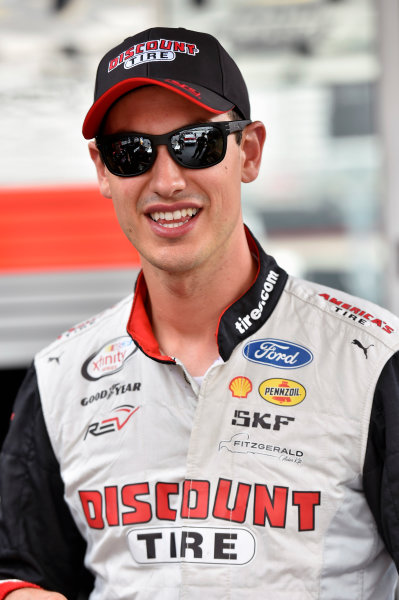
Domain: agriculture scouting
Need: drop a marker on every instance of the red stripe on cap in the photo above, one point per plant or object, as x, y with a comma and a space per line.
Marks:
98, 110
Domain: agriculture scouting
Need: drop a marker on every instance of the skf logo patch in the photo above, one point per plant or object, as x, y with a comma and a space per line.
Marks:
151, 51
240, 387
282, 392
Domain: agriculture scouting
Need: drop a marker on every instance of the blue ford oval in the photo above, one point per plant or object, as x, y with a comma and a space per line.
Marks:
277, 353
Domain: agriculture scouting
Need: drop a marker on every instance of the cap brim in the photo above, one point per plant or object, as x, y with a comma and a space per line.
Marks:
199, 95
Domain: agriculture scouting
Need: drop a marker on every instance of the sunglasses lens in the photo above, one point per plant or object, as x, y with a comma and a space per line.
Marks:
128, 155
193, 147
198, 147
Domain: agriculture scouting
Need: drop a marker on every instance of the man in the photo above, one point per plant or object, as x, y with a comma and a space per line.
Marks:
233, 432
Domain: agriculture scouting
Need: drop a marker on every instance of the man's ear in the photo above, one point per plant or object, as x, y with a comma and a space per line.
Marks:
253, 139
102, 173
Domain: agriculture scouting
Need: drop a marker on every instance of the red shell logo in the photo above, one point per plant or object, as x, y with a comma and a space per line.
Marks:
240, 387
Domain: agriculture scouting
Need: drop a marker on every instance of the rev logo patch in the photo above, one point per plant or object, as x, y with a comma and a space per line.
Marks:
118, 418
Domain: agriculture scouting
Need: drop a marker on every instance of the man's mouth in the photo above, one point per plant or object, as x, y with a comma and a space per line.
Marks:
177, 218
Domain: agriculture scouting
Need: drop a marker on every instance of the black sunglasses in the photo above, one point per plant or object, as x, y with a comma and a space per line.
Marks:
194, 147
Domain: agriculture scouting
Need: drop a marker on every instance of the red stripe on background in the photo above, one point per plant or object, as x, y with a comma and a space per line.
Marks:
60, 228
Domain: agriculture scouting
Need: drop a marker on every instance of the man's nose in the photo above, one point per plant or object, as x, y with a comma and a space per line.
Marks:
167, 177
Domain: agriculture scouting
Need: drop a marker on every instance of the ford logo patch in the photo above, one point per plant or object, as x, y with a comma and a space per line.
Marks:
277, 353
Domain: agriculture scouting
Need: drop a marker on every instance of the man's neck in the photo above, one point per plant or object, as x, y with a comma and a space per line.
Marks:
184, 308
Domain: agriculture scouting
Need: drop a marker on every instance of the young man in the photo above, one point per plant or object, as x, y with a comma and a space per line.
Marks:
233, 431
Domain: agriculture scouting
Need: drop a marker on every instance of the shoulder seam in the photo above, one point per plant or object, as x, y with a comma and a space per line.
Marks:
99, 318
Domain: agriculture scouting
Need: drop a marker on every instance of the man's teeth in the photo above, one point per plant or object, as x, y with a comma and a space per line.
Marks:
175, 216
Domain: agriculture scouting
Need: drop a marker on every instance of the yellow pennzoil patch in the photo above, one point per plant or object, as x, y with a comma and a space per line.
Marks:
282, 392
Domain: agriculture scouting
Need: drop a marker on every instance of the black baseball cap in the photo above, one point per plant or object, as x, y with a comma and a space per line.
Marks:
189, 63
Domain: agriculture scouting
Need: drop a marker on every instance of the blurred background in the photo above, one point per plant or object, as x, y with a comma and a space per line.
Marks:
322, 75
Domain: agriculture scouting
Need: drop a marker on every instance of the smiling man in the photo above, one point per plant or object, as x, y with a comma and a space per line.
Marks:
223, 432
185, 221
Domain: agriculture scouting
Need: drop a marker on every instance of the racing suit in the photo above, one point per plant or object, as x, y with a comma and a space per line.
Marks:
275, 477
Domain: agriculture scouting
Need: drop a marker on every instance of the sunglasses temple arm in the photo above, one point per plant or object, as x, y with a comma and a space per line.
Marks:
233, 126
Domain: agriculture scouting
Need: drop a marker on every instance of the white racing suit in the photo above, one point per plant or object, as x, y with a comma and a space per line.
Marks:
276, 478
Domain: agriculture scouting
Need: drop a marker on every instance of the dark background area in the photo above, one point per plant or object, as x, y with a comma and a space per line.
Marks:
12, 379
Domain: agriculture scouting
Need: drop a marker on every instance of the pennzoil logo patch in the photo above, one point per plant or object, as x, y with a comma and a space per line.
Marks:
283, 392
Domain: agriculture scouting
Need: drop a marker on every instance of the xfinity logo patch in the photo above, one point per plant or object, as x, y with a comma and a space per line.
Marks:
206, 545
277, 353
109, 359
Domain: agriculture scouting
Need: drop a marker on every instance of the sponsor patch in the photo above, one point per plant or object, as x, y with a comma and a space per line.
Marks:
205, 545
109, 359
277, 353
234, 502
240, 387
356, 314
117, 419
245, 322
151, 51
80, 327
241, 443
116, 389
245, 418
283, 392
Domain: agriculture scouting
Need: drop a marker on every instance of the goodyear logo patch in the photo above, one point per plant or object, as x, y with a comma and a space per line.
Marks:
283, 392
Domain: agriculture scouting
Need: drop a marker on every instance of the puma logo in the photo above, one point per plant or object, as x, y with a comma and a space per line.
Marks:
54, 359
365, 350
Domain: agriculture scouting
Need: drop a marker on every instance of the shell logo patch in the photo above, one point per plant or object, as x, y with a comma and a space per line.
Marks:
282, 392
240, 387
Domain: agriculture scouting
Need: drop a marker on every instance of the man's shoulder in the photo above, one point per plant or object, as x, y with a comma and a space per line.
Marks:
352, 311
109, 322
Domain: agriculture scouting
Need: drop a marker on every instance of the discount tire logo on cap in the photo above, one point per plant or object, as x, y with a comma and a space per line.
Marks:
282, 392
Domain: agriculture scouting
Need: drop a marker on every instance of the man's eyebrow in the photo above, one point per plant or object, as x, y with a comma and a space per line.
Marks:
197, 122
